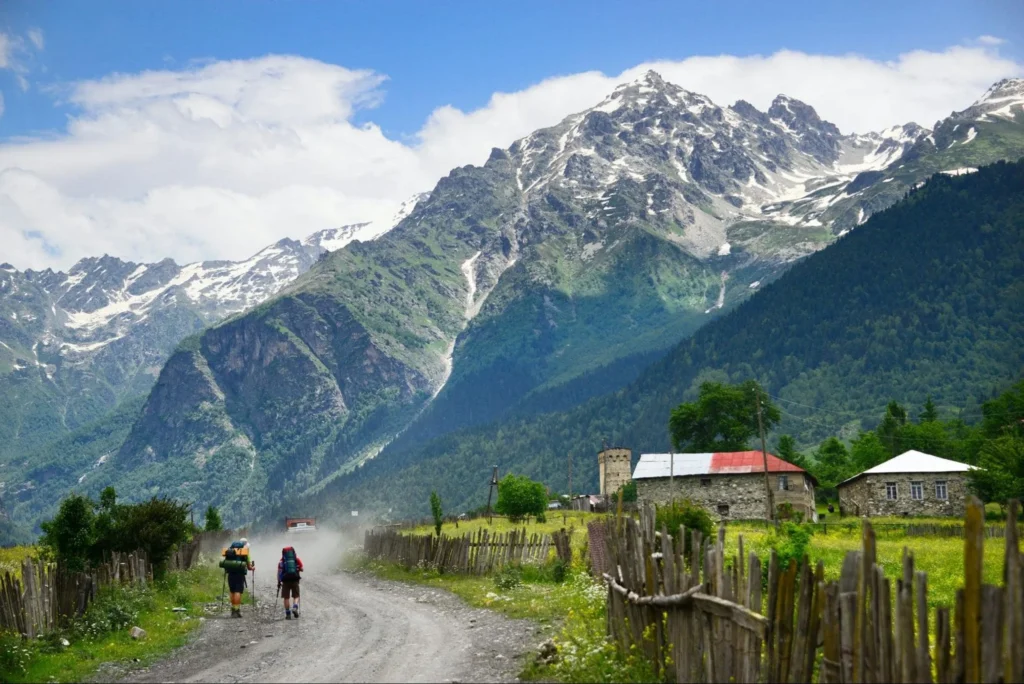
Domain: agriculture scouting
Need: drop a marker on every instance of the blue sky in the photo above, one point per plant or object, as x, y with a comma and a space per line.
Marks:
207, 130
459, 53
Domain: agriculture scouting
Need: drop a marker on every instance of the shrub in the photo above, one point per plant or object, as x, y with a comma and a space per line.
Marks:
683, 513
15, 654
509, 577
559, 569
628, 492
116, 607
790, 542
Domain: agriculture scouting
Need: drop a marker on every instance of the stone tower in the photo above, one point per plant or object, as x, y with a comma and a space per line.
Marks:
614, 469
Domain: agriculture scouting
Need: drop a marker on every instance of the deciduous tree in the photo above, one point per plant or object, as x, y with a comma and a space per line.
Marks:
724, 418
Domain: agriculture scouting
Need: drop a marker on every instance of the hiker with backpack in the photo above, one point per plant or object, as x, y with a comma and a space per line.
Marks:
237, 564
288, 576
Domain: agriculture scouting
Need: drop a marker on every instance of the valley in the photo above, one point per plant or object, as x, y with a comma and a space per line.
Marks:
554, 274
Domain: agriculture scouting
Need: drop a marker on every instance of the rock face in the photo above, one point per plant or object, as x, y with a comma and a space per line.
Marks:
555, 271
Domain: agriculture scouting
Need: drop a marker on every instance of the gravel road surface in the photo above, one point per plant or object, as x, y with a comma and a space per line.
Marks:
354, 628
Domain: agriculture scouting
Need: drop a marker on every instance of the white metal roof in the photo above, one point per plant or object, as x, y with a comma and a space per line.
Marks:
915, 462
657, 465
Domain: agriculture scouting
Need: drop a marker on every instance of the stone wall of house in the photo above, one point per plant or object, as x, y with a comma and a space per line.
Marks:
867, 495
743, 493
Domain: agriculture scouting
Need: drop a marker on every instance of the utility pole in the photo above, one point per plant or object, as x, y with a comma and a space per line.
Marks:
570, 478
764, 456
604, 471
490, 491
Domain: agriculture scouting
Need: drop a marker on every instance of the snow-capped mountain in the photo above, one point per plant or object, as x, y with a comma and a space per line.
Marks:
737, 164
552, 272
100, 331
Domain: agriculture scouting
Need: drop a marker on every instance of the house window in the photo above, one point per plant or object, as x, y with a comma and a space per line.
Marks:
783, 483
723, 509
940, 490
705, 482
890, 491
917, 490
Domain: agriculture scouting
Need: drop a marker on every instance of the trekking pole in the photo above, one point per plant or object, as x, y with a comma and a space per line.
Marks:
223, 585
254, 587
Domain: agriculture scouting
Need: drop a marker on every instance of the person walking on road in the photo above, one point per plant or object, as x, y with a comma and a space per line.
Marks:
288, 577
237, 564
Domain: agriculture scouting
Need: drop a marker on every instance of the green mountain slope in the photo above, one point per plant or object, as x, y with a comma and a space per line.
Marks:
926, 298
552, 274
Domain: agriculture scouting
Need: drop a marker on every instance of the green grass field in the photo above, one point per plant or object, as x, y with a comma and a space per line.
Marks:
942, 558
10, 558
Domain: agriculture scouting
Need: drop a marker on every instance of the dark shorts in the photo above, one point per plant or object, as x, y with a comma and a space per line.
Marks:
290, 589
236, 583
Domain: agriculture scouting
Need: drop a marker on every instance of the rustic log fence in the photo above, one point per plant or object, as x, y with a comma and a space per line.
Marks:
46, 596
701, 619
477, 554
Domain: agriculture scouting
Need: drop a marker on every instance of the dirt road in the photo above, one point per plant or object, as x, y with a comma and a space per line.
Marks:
354, 628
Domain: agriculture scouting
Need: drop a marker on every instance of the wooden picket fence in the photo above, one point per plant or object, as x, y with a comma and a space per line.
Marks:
476, 554
45, 595
703, 619
938, 530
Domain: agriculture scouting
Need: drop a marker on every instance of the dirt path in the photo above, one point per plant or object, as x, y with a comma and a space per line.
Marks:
354, 628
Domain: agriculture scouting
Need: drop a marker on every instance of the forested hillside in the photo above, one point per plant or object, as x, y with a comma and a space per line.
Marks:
926, 298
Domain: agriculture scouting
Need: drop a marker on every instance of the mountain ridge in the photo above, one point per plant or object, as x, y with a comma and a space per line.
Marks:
932, 306
567, 261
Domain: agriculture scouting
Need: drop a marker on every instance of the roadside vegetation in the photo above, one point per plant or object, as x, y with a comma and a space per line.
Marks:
569, 605
102, 634
79, 538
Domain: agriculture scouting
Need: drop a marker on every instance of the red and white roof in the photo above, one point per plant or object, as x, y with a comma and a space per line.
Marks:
720, 463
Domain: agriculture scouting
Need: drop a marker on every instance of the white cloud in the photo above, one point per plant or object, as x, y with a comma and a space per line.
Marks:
991, 40
14, 51
218, 160
36, 37
7, 46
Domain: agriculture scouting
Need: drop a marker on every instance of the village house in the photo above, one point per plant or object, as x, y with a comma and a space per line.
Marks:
912, 483
729, 485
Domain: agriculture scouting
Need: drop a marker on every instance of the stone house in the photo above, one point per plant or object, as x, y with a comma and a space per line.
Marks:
729, 485
912, 483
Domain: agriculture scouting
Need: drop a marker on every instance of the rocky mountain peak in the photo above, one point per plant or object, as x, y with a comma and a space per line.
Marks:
1007, 87
1003, 101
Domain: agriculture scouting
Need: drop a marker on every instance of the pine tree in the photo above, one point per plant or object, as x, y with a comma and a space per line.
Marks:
213, 522
930, 414
435, 510
786, 450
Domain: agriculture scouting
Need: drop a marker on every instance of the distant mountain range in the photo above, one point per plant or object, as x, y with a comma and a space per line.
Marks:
557, 271
74, 344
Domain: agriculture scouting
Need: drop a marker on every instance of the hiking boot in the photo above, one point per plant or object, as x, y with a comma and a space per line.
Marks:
295, 612
236, 612
287, 615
